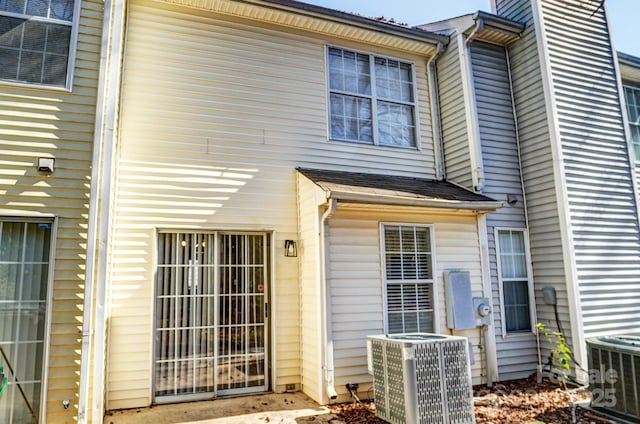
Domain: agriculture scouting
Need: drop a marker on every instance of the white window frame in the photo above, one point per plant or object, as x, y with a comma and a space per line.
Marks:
433, 281
529, 279
634, 144
73, 43
374, 98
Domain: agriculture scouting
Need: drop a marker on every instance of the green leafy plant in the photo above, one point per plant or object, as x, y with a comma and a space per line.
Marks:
560, 356
3, 380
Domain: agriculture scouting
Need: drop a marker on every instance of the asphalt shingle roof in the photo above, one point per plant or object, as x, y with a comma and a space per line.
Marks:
390, 185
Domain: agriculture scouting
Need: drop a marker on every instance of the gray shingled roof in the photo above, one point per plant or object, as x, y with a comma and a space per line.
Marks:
387, 187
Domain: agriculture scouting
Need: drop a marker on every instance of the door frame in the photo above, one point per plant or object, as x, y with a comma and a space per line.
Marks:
53, 221
268, 252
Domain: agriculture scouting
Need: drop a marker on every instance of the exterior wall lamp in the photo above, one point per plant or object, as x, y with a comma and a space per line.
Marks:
46, 165
290, 249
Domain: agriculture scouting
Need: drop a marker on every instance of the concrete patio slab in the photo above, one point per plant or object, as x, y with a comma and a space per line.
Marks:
280, 408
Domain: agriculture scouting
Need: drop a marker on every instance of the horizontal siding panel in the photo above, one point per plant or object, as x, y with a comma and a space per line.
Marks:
43, 123
602, 203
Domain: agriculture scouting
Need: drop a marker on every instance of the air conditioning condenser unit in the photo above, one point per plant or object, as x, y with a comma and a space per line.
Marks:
421, 378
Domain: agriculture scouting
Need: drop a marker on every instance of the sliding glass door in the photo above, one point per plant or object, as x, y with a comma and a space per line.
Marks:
210, 315
24, 276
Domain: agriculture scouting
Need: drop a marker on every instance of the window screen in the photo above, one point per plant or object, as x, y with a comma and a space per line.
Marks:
35, 37
409, 278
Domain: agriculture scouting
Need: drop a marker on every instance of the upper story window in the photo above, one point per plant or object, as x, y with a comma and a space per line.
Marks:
35, 41
371, 99
632, 97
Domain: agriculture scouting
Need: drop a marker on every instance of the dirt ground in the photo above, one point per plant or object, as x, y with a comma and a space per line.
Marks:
520, 401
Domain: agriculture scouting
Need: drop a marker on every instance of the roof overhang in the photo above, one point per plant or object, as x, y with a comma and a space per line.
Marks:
389, 190
382, 199
480, 26
327, 22
629, 67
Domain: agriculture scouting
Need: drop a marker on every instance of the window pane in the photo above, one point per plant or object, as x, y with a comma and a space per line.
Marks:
38, 8
516, 304
396, 124
34, 51
62, 9
10, 31
350, 118
15, 6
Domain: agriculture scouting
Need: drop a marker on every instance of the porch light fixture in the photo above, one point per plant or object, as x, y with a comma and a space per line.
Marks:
290, 249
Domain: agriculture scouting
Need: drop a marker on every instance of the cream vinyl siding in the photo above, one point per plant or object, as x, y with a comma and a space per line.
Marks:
538, 166
357, 291
517, 354
56, 123
216, 116
457, 153
311, 298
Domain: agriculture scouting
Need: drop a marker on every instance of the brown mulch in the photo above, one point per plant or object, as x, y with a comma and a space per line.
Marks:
519, 401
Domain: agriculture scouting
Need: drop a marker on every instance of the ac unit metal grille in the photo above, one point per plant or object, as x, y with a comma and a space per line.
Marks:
424, 379
614, 363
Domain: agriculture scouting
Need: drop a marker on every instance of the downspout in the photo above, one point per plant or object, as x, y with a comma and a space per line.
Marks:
96, 172
111, 112
326, 307
438, 141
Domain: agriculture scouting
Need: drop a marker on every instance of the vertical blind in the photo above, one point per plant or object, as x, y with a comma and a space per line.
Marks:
210, 317
24, 274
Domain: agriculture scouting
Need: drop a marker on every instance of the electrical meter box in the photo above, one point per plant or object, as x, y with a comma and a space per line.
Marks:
461, 314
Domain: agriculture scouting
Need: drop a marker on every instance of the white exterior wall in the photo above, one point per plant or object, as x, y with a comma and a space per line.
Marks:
355, 279
455, 129
215, 117
516, 353
539, 166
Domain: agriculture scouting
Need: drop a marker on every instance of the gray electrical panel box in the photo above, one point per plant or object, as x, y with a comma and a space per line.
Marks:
461, 314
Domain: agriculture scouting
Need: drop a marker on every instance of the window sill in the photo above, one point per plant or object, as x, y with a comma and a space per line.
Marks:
33, 86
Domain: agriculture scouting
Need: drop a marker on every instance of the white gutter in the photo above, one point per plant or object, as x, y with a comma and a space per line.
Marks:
96, 162
438, 142
327, 327
372, 198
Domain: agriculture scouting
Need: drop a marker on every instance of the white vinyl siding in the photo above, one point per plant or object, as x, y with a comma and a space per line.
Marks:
24, 287
371, 99
516, 354
35, 41
356, 279
455, 134
515, 282
632, 97
601, 202
540, 180
408, 262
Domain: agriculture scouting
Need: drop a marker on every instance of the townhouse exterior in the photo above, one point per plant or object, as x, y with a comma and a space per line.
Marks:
273, 181
49, 83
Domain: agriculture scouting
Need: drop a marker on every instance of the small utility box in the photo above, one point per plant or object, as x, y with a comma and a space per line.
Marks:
461, 314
